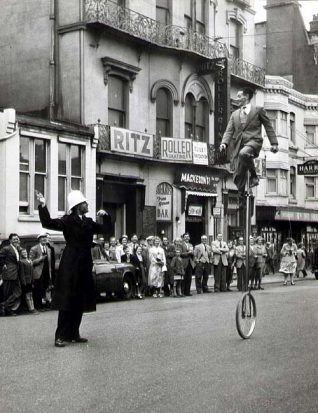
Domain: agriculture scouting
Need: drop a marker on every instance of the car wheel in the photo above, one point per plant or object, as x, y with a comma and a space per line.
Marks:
128, 288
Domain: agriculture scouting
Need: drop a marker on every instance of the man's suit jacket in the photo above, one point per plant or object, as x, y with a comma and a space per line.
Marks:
187, 254
240, 256
236, 136
36, 258
218, 255
202, 255
9, 259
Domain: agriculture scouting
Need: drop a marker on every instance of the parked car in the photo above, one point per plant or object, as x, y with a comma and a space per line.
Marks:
110, 276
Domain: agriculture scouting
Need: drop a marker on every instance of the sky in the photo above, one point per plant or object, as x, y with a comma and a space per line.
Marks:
309, 7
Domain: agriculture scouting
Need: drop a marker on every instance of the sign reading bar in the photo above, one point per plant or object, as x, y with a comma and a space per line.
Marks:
130, 142
176, 149
164, 202
200, 153
308, 168
196, 181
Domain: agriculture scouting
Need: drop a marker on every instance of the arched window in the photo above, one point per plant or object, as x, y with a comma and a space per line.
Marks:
117, 96
235, 38
196, 118
163, 112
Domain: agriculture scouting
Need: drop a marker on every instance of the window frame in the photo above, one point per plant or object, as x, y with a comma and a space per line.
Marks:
31, 174
313, 185
292, 182
311, 142
169, 119
122, 112
166, 11
68, 176
272, 178
192, 23
194, 125
283, 123
292, 128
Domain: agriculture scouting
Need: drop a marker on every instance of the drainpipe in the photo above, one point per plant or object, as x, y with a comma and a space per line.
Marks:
52, 70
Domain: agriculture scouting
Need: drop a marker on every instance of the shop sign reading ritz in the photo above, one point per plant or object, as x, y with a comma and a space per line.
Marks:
134, 143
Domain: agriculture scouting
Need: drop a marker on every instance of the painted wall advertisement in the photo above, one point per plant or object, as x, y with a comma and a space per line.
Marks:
164, 202
130, 142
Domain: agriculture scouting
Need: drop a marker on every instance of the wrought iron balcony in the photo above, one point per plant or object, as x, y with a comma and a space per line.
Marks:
215, 157
110, 14
247, 71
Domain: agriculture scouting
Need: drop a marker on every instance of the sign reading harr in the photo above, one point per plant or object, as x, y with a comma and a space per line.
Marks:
130, 142
308, 168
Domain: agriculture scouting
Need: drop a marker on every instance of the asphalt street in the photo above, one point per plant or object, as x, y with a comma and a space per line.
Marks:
168, 355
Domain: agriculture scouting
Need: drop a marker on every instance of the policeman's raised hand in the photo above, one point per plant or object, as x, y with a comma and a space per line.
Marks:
101, 213
40, 198
274, 148
222, 147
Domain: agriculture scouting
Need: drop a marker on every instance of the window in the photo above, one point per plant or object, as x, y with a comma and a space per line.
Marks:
70, 171
292, 129
271, 176
310, 183
283, 117
33, 172
272, 114
310, 135
235, 39
162, 12
283, 182
196, 118
194, 15
292, 182
117, 101
163, 112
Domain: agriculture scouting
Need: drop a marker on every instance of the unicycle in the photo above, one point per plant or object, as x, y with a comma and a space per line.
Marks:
245, 315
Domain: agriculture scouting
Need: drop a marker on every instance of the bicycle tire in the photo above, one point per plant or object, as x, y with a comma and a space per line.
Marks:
246, 315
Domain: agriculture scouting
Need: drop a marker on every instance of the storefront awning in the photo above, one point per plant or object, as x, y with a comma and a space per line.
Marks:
199, 193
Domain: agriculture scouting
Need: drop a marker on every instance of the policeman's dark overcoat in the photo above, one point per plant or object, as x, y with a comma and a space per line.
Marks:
74, 284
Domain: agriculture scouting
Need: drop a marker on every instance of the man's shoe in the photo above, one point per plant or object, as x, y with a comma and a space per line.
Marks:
228, 289
199, 292
188, 295
206, 291
80, 340
254, 182
59, 343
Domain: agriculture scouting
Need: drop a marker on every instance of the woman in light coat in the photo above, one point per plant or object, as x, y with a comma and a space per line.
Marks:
288, 262
157, 267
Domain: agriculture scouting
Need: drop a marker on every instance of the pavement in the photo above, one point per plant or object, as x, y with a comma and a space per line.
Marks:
277, 277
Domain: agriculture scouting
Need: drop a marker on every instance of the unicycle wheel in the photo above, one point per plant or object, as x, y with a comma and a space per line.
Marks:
246, 315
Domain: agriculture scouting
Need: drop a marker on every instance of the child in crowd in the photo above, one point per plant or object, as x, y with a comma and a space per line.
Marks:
178, 273
26, 279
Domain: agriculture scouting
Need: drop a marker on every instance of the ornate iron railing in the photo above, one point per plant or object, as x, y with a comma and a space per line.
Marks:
215, 157
247, 71
143, 27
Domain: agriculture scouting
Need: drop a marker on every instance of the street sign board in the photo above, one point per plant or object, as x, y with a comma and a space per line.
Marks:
308, 168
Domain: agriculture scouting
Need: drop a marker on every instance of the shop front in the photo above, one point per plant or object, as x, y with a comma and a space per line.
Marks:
199, 193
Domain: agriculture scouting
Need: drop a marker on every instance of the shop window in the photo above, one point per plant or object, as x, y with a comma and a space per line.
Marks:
271, 176
235, 39
162, 12
310, 135
163, 112
196, 118
292, 129
33, 173
283, 123
70, 171
292, 182
117, 88
194, 15
272, 114
310, 183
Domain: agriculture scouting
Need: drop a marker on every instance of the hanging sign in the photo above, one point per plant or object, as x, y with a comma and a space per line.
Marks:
176, 149
308, 168
196, 181
164, 202
200, 153
195, 210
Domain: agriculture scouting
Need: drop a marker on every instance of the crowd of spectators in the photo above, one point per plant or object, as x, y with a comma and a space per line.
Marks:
163, 268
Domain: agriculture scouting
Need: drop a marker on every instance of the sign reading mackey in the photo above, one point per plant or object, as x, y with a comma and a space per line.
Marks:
130, 142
